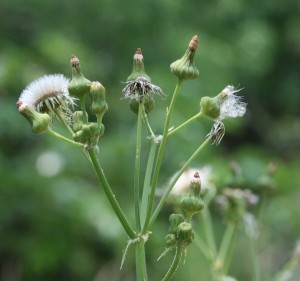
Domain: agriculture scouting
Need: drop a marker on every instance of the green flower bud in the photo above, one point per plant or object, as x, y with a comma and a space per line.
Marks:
79, 86
195, 185
138, 69
210, 107
148, 104
39, 121
185, 233
184, 68
99, 105
89, 134
78, 120
174, 221
191, 205
171, 240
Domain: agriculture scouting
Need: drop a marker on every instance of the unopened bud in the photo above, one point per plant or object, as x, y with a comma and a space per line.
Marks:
78, 120
184, 68
99, 105
191, 205
138, 69
175, 220
171, 240
195, 185
148, 104
185, 234
39, 121
210, 107
79, 86
89, 134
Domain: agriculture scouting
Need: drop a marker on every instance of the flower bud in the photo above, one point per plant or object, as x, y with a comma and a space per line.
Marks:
184, 68
39, 121
138, 69
99, 105
185, 234
148, 104
79, 86
89, 134
175, 220
195, 185
171, 240
191, 205
210, 107
78, 120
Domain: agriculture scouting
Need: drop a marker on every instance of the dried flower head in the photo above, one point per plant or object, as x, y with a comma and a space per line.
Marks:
217, 132
140, 88
47, 94
231, 105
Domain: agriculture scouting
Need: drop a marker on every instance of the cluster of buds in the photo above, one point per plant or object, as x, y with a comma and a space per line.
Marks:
180, 228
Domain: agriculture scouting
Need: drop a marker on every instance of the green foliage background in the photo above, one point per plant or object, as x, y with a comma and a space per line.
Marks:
61, 227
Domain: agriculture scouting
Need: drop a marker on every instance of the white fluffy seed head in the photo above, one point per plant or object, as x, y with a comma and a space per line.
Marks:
231, 104
47, 93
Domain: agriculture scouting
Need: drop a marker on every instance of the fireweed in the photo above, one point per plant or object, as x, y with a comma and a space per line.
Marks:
55, 96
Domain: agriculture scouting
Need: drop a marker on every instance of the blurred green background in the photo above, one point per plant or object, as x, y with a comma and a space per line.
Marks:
55, 223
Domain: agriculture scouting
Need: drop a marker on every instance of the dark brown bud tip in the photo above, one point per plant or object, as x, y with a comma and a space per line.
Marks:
197, 175
193, 45
74, 61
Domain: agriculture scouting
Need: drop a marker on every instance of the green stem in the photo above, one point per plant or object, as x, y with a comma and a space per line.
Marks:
160, 155
255, 260
82, 105
78, 144
198, 115
137, 167
208, 230
225, 244
147, 181
151, 135
175, 264
111, 197
140, 261
229, 256
203, 247
174, 180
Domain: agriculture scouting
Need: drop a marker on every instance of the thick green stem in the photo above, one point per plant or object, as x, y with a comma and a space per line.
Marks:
137, 167
111, 197
160, 155
140, 261
198, 115
174, 180
175, 264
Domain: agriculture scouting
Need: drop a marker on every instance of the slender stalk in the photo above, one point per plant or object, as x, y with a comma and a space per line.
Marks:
147, 181
208, 230
225, 244
151, 135
174, 266
203, 247
255, 260
230, 253
137, 167
198, 115
110, 195
78, 144
174, 180
140, 261
160, 155
82, 105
